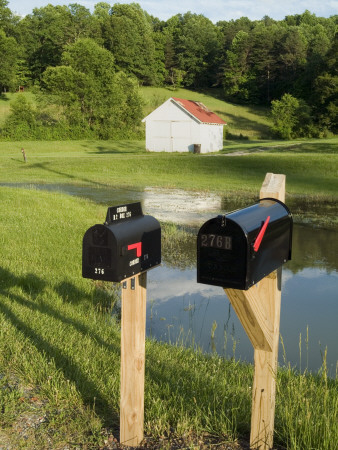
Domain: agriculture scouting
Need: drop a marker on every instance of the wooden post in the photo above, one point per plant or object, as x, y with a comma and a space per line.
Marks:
133, 326
258, 309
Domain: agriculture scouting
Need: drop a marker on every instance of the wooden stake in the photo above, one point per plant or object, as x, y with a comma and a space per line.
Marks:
258, 309
133, 326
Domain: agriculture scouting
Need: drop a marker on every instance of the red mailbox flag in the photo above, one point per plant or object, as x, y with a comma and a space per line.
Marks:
261, 235
138, 247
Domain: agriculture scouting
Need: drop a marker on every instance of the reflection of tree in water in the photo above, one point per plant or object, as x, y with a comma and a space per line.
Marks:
309, 210
313, 247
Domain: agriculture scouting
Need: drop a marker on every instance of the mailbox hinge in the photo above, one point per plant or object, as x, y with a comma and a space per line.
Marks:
132, 284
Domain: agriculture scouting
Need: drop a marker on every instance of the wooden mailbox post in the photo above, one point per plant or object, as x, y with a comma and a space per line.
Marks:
133, 326
258, 309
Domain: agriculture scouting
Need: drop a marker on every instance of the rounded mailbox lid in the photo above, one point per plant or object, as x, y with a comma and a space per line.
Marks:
252, 217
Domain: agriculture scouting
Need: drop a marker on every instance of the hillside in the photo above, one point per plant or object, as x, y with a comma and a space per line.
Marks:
246, 122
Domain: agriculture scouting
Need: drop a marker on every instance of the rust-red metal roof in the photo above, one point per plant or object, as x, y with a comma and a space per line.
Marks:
200, 111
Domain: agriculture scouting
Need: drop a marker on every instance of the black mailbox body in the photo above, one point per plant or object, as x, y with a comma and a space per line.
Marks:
128, 243
239, 249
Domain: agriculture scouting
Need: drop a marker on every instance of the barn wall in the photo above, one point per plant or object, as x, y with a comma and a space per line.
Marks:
171, 129
211, 138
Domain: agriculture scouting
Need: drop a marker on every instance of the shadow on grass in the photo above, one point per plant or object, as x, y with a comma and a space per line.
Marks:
33, 285
245, 124
3, 97
160, 371
44, 166
308, 147
116, 147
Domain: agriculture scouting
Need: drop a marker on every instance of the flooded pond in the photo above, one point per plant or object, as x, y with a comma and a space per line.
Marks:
179, 310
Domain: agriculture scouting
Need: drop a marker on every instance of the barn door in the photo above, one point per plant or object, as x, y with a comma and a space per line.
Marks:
180, 136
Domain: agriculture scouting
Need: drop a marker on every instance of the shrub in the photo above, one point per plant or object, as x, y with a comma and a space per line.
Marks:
292, 118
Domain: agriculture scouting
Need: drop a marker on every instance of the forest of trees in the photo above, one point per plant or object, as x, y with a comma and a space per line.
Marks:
90, 65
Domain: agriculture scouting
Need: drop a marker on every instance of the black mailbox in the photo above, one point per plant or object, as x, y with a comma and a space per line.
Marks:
127, 243
239, 249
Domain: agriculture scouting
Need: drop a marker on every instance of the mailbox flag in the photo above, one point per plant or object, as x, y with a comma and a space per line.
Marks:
138, 247
261, 235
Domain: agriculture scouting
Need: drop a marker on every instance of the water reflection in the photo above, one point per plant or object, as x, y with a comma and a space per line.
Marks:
181, 310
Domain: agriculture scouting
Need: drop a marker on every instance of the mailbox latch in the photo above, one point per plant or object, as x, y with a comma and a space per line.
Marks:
222, 220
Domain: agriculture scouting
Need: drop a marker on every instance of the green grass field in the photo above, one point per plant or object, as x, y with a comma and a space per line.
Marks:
310, 166
60, 345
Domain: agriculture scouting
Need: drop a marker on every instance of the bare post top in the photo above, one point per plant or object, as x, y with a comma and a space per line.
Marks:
273, 186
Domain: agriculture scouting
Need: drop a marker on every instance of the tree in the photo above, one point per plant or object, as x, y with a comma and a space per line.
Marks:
45, 33
196, 44
324, 96
21, 122
291, 53
291, 117
129, 36
237, 70
9, 60
94, 97
262, 61
102, 19
7, 20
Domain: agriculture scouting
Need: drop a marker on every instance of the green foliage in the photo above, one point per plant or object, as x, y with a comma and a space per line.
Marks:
291, 117
45, 33
92, 94
7, 19
193, 46
21, 120
236, 74
325, 93
25, 121
129, 36
253, 62
92, 100
9, 61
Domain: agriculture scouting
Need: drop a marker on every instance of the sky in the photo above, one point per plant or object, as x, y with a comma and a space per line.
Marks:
215, 10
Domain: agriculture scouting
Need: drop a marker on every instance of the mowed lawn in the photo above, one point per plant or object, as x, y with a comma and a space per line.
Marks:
60, 352
310, 166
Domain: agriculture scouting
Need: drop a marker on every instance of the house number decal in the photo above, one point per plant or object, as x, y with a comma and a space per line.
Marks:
99, 271
216, 241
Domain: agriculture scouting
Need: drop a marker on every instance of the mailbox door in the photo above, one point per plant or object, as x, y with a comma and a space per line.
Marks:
222, 254
99, 250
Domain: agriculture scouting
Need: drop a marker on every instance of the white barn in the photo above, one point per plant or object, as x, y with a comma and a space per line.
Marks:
180, 125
